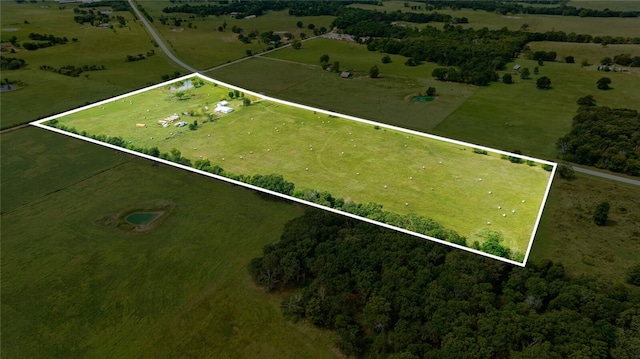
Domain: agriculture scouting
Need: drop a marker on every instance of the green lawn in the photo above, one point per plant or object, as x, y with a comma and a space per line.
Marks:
350, 160
625, 5
592, 52
98, 46
72, 287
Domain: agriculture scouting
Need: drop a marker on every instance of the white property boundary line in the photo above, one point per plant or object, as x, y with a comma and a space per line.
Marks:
40, 123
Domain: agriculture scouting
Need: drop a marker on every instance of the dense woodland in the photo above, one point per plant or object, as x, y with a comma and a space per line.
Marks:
389, 295
520, 7
603, 137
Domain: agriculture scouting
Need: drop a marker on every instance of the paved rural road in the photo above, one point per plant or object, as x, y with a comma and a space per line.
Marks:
158, 40
607, 176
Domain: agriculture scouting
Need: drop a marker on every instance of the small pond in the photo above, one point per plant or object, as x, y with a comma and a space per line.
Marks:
10, 87
422, 98
185, 86
142, 218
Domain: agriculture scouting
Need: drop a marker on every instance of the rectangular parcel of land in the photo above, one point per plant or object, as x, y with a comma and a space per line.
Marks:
471, 197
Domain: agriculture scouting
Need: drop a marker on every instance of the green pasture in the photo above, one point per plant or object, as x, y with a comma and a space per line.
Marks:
205, 47
46, 92
591, 52
519, 116
74, 287
296, 75
537, 23
349, 159
567, 233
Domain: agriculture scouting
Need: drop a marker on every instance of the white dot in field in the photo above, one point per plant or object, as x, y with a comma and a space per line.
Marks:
248, 133
311, 149
410, 178
523, 201
479, 179
252, 118
431, 189
350, 133
489, 223
490, 192
440, 162
357, 173
209, 135
152, 138
351, 140
223, 158
385, 186
250, 152
277, 130
147, 110
354, 145
513, 211
306, 169
241, 157
283, 124
405, 145
504, 215
406, 203
422, 167
499, 207
342, 153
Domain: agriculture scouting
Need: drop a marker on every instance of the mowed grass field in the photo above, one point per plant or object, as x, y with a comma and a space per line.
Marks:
73, 287
626, 27
203, 46
351, 160
47, 93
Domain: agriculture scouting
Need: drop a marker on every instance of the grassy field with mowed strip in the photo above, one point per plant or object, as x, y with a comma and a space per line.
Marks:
356, 161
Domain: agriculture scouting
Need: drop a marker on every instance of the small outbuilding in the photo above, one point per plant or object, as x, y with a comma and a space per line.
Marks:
224, 109
516, 67
345, 74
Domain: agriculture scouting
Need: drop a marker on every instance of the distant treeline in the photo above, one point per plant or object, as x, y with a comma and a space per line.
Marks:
477, 53
258, 8
513, 7
492, 240
72, 71
603, 137
114, 5
389, 295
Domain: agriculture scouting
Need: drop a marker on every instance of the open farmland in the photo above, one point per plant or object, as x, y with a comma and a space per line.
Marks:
596, 26
203, 46
74, 287
99, 46
405, 172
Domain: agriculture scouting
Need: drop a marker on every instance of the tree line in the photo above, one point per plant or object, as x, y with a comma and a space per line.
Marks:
72, 71
513, 7
603, 137
390, 295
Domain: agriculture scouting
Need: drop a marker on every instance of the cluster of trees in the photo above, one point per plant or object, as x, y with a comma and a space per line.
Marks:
242, 9
543, 55
513, 7
47, 41
72, 71
603, 137
133, 58
622, 59
390, 295
11, 63
90, 16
